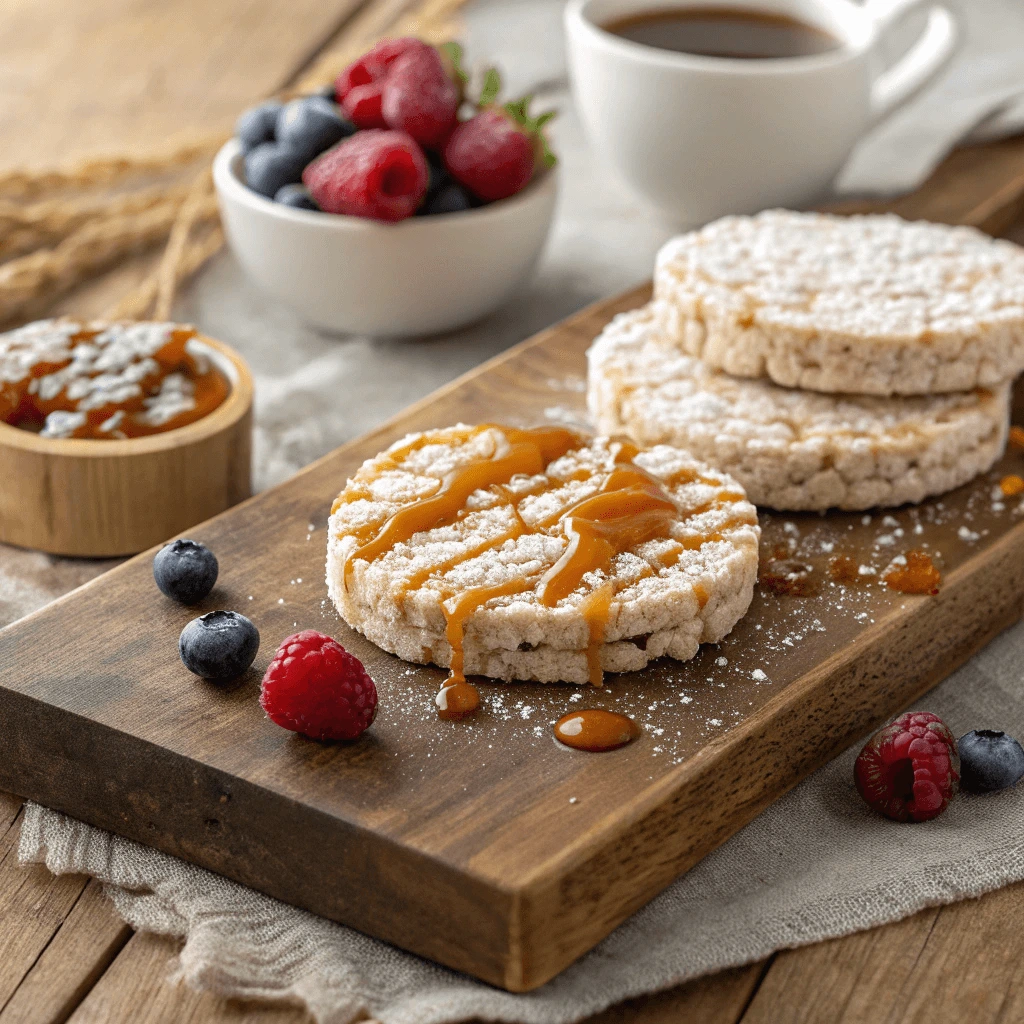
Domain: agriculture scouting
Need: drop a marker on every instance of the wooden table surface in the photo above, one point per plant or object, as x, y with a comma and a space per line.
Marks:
96, 76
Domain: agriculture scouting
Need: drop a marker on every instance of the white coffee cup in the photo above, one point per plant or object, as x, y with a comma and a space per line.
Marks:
699, 137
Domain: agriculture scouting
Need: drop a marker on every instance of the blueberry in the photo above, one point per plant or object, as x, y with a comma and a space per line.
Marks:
297, 196
256, 125
185, 570
451, 198
989, 760
270, 165
310, 125
219, 645
438, 175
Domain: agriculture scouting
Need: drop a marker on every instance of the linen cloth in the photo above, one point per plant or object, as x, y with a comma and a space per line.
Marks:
814, 865
978, 97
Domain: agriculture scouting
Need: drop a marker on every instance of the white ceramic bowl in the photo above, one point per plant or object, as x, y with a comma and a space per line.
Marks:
423, 275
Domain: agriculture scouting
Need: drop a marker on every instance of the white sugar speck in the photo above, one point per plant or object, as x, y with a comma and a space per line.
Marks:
758, 676
722, 661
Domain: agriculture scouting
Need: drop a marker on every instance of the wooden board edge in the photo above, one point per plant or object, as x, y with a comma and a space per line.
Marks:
52, 760
728, 783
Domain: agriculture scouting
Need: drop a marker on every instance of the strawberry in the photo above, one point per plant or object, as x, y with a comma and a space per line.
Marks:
496, 153
377, 174
422, 95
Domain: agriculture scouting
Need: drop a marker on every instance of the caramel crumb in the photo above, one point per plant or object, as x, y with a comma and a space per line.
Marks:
787, 576
843, 569
1017, 436
1011, 485
918, 576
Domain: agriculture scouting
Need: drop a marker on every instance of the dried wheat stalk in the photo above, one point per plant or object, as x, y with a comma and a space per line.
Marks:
97, 245
27, 228
104, 172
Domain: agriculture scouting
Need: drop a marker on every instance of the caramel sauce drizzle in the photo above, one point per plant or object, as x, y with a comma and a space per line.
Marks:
632, 506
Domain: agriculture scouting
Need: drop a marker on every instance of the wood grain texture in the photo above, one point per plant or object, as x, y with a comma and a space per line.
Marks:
115, 76
857, 979
33, 906
422, 834
105, 498
138, 988
81, 949
954, 963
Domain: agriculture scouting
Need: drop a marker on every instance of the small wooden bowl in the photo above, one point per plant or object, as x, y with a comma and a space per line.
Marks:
106, 498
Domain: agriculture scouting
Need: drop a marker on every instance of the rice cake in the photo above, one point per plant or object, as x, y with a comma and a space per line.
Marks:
863, 305
791, 450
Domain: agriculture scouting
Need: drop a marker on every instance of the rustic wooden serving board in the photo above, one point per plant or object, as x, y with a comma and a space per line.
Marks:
483, 844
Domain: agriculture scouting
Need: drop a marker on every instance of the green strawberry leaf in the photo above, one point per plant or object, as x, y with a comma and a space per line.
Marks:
454, 52
491, 88
519, 111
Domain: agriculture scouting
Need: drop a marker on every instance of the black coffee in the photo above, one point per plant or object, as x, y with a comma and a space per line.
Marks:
724, 32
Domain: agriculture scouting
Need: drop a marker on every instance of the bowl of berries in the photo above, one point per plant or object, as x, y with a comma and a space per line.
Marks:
394, 202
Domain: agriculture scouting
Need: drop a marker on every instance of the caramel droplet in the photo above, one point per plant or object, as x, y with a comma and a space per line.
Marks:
918, 576
596, 730
844, 569
1011, 485
787, 576
457, 700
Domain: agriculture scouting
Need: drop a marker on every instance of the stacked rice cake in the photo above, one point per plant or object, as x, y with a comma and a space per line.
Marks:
824, 362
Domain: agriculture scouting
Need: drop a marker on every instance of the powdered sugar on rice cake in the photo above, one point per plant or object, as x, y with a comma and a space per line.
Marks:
540, 554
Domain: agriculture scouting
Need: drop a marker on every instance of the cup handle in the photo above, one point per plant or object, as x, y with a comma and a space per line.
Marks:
921, 62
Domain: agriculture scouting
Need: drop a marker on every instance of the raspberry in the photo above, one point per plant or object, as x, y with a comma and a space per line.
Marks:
910, 770
420, 97
377, 174
315, 687
363, 106
372, 66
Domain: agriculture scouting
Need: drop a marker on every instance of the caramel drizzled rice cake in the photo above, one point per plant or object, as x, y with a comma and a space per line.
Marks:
792, 450
863, 305
539, 554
